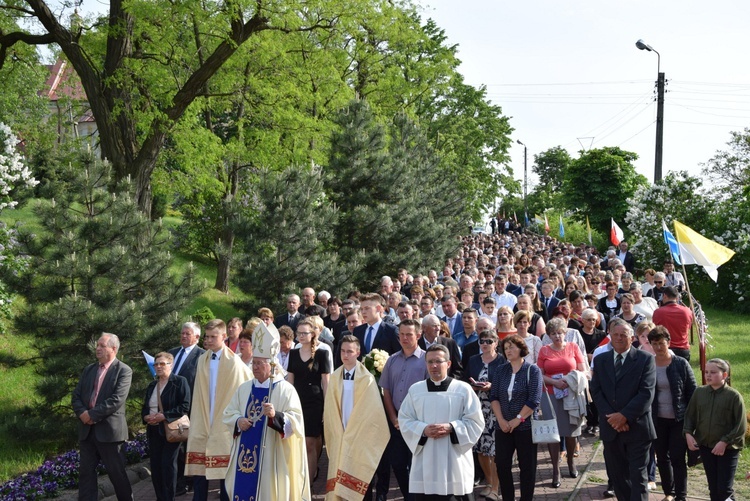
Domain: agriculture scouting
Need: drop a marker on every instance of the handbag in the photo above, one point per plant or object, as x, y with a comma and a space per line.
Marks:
544, 431
177, 430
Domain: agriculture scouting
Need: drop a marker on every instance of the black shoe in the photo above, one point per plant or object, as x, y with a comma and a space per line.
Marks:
609, 493
555, 482
572, 470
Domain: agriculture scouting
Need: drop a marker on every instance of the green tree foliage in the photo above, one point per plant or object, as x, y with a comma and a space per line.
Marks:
21, 78
286, 241
677, 196
97, 265
395, 206
729, 170
550, 166
599, 184
145, 63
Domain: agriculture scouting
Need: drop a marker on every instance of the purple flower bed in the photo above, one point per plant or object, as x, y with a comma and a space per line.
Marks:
62, 473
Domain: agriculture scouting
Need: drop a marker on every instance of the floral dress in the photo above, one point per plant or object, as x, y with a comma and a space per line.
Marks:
486, 443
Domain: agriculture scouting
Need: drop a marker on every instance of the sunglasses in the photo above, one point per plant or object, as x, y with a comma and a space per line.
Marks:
659, 282
486, 341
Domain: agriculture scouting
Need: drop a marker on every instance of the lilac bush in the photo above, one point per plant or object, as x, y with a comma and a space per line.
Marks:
62, 473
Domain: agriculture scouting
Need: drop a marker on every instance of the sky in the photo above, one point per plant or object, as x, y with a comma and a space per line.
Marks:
568, 73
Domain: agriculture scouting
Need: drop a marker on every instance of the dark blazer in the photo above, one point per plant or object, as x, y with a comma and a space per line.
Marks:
108, 413
469, 351
553, 302
628, 262
458, 325
283, 319
190, 365
386, 338
175, 399
457, 369
475, 367
631, 394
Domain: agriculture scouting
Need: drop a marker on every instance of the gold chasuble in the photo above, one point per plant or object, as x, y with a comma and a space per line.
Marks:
354, 453
210, 442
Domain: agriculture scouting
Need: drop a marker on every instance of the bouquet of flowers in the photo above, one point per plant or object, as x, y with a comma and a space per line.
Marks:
375, 361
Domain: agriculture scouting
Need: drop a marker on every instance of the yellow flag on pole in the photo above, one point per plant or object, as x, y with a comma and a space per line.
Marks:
697, 249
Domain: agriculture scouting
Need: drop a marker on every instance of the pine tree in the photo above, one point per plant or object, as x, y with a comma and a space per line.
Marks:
287, 242
397, 205
98, 265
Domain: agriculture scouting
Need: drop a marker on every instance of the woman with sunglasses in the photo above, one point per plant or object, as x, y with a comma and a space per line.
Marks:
482, 368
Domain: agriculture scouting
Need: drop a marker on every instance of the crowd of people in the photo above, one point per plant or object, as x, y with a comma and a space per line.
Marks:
516, 327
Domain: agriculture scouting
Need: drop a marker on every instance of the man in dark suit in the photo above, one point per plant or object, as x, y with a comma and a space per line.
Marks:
623, 387
99, 402
452, 317
431, 335
292, 316
374, 333
186, 356
547, 298
185, 363
626, 257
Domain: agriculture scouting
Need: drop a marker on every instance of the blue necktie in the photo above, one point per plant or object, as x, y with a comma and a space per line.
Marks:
368, 339
177, 362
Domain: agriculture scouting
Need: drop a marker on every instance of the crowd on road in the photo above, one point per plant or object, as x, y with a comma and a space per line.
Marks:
464, 368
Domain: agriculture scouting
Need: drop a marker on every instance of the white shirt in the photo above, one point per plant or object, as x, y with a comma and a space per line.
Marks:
184, 357
213, 375
347, 398
505, 299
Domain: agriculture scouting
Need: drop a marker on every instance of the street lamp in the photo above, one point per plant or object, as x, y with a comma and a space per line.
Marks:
659, 109
525, 174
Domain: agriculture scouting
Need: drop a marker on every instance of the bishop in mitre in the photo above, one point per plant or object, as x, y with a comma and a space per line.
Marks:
268, 460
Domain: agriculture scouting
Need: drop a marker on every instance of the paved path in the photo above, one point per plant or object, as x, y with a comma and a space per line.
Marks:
589, 485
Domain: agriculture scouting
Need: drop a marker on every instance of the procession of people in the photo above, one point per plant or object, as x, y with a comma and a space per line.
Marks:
438, 378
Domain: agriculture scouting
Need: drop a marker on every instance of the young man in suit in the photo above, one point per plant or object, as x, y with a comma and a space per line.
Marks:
623, 388
99, 402
374, 333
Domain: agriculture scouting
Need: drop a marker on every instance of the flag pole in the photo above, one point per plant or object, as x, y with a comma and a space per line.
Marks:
693, 326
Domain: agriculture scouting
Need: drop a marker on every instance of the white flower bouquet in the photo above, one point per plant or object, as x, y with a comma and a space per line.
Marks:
375, 361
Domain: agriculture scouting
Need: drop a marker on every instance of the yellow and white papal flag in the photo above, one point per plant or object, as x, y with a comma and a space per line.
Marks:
697, 249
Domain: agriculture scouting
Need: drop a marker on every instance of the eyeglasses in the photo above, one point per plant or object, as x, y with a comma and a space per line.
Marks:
436, 362
161, 364
303, 334
486, 341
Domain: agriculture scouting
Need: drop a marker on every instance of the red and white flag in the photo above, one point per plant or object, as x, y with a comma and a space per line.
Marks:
615, 234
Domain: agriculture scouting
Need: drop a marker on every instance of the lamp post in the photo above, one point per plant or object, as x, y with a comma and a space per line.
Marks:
659, 109
525, 174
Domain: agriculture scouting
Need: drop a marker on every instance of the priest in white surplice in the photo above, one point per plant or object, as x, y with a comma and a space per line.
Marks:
441, 420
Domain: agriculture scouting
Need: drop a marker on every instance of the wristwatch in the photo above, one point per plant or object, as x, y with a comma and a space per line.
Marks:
520, 418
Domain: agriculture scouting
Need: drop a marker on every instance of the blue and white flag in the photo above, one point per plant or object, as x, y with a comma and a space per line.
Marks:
671, 241
150, 362
562, 228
